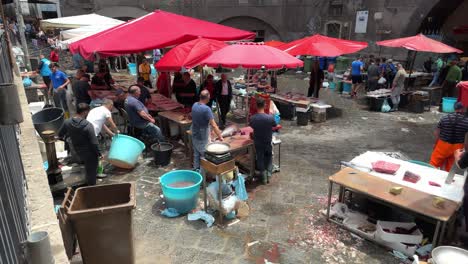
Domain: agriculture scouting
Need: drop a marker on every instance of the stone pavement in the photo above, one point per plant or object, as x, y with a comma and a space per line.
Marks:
284, 225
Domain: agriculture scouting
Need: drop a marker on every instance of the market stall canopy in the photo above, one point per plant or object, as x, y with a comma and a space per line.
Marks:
318, 45
275, 43
158, 29
78, 21
85, 31
251, 55
188, 54
419, 43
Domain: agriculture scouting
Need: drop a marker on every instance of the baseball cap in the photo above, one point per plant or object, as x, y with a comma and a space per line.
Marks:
458, 106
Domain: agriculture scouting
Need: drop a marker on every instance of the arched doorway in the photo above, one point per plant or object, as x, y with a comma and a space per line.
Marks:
447, 22
264, 30
333, 29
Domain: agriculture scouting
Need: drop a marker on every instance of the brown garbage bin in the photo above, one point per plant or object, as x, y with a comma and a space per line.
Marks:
101, 217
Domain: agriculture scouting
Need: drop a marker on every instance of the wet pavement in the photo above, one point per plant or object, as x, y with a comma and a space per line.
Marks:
285, 225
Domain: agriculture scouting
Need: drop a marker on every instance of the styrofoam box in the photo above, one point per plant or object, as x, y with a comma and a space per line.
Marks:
354, 221
414, 238
400, 247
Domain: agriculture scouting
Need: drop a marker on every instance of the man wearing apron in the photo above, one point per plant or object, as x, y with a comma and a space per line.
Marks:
202, 119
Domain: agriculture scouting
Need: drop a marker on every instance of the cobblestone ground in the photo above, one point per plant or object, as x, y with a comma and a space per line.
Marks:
284, 225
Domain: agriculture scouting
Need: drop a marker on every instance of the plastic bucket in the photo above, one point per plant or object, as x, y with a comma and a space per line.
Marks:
48, 119
448, 104
332, 85
346, 87
162, 153
183, 199
303, 118
124, 151
132, 68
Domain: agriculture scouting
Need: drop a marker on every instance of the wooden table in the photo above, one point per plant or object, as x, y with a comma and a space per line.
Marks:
218, 170
412, 200
182, 122
435, 94
239, 144
41, 87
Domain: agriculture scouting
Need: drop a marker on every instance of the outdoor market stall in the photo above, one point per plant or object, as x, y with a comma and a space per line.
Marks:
78, 21
407, 186
418, 43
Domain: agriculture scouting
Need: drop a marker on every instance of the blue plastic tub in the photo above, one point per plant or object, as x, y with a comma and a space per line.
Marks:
448, 104
132, 68
183, 199
331, 85
124, 151
346, 87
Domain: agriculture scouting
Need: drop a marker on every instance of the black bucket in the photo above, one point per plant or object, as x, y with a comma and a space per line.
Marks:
303, 118
48, 119
162, 153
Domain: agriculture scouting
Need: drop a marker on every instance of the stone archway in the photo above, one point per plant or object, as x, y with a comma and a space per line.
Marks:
122, 12
264, 30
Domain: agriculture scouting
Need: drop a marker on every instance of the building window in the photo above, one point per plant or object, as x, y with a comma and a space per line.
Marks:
333, 29
335, 8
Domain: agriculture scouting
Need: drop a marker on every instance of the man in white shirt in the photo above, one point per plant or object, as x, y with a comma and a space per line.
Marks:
100, 115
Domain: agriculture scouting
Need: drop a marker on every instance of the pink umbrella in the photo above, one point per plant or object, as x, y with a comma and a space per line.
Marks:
158, 29
251, 55
318, 45
188, 54
419, 43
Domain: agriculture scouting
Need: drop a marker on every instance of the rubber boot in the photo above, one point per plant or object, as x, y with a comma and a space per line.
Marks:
264, 177
268, 176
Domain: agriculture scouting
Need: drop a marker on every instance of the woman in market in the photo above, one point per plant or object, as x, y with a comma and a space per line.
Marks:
316, 80
208, 84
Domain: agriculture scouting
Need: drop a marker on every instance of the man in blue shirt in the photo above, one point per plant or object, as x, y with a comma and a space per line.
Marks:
59, 82
44, 69
202, 119
262, 125
139, 117
356, 68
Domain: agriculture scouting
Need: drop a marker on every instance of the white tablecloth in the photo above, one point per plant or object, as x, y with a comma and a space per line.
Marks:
452, 191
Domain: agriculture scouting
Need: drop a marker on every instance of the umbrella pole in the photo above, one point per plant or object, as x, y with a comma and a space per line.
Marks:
411, 67
380, 50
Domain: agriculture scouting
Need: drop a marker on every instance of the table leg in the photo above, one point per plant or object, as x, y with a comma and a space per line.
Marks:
436, 234
184, 138
341, 195
205, 193
252, 161
220, 199
442, 233
330, 190
279, 155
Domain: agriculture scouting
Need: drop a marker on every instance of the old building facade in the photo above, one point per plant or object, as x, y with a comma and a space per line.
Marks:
370, 20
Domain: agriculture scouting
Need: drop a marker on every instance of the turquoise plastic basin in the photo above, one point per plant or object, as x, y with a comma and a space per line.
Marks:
448, 103
124, 151
183, 199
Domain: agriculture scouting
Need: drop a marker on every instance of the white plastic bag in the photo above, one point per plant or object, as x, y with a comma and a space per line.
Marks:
382, 80
385, 107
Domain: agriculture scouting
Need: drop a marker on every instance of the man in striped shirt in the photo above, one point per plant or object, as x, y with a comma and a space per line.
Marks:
450, 136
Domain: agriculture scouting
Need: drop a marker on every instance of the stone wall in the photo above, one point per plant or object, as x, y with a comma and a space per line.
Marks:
41, 204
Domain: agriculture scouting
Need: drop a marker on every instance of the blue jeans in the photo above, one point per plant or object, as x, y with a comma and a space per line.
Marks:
435, 79
60, 99
153, 132
198, 151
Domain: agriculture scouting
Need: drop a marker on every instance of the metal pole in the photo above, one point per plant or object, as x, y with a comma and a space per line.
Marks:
24, 45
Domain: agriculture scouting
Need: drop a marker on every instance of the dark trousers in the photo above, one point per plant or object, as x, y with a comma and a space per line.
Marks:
314, 90
264, 154
148, 84
448, 89
46, 81
224, 107
390, 78
91, 161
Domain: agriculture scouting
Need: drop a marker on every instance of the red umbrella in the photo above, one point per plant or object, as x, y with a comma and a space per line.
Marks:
251, 55
274, 43
158, 29
419, 43
318, 45
188, 54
